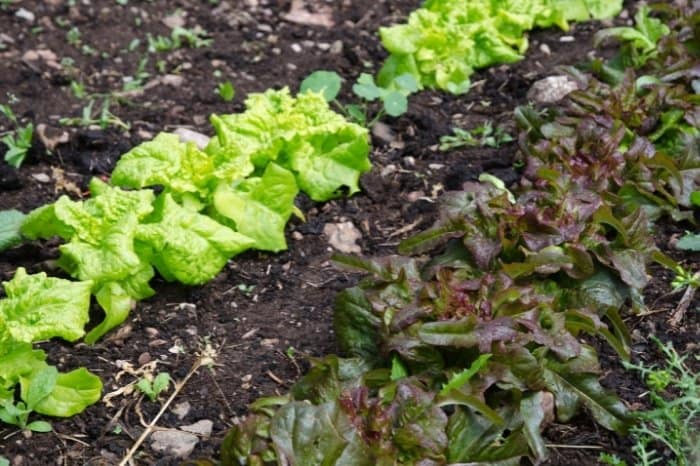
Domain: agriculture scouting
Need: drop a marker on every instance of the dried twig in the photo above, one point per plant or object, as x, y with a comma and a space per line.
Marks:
202, 360
682, 307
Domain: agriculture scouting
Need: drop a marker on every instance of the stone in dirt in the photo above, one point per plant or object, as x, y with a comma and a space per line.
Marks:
173, 442
187, 135
343, 237
300, 15
202, 428
552, 89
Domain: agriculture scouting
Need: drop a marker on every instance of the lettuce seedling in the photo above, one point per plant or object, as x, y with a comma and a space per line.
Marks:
481, 136
19, 141
394, 97
639, 42
153, 388
226, 91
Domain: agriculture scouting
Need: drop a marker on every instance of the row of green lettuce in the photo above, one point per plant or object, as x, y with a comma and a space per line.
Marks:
443, 42
211, 204
463, 349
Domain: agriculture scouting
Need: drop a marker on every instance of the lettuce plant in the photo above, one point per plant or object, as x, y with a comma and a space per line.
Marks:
393, 96
482, 342
446, 40
236, 194
36, 308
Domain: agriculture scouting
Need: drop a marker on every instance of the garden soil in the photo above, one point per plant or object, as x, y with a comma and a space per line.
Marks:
265, 313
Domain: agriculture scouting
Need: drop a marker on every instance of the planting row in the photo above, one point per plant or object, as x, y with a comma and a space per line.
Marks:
215, 202
467, 352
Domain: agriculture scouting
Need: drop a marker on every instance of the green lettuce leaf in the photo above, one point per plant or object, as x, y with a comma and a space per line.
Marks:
183, 170
17, 359
100, 248
187, 246
260, 207
10, 223
302, 134
72, 392
38, 307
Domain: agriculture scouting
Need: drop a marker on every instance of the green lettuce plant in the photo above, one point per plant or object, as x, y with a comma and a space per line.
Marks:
215, 203
393, 97
36, 308
443, 42
19, 141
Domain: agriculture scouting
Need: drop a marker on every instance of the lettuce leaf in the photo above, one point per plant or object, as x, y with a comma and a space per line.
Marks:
10, 223
260, 207
38, 307
182, 169
188, 246
302, 134
100, 248
72, 393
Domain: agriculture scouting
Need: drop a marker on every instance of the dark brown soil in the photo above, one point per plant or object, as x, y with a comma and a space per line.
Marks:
261, 305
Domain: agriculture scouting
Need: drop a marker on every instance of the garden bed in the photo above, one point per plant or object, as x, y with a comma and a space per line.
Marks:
262, 305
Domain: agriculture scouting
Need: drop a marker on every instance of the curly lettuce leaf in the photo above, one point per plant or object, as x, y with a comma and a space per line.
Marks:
17, 359
181, 168
38, 307
100, 248
187, 246
260, 207
302, 134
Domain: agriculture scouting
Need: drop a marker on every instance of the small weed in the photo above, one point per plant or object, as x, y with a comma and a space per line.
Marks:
685, 278
226, 91
132, 83
18, 141
152, 388
73, 37
17, 414
78, 89
611, 460
246, 289
394, 98
482, 136
179, 37
672, 423
103, 119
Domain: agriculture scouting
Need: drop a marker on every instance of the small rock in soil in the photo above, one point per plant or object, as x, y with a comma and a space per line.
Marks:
300, 15
187, 135
51, 137
202, 428
383, 132
552, 89
173, 442
41, 177
342, 236
25, 15
181, 409
175, 20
